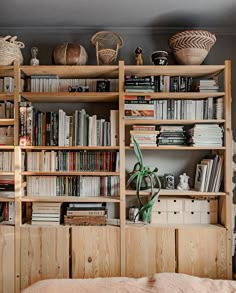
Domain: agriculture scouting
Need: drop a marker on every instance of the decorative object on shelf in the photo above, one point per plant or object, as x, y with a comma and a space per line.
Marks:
70, 54
34, 53
142, 174
139, 56
169, 181
160, 58
191, 47
133, 214
103, 86
183, 183
107, 45
10, 50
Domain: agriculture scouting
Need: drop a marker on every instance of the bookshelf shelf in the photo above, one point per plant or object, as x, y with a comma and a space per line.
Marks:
7, 199
72, 148
174, 95
65, 173
5, 96
68, 97
171, 122
6, 122
177, 148
95, 199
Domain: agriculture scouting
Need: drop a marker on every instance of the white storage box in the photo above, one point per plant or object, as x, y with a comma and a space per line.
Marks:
175, 205
160, 205
192, 217
192, 205
175, 217
209, 205
159, 217
209, 218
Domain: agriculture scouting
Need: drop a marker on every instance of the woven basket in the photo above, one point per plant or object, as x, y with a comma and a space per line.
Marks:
191, 47
10, 50
107, 55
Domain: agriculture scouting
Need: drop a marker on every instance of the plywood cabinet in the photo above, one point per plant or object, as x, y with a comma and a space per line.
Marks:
202, 252
149, 250
95, 252
44, 254
7, 269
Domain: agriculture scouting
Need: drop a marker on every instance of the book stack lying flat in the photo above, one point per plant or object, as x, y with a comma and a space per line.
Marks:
139, 84
94, 214
171, 135
46, 213
144, 138
208, 85
205, 135
139, 107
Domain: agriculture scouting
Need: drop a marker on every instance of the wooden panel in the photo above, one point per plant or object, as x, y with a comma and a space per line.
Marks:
7, 274
149, 250
95, 251
44, 253
202, 252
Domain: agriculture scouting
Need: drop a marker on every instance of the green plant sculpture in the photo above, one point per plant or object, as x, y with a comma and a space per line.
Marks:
142, 174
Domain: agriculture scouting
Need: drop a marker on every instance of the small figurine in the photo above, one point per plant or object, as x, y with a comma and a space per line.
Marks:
169, 181
139, 56
34, 52
183, 184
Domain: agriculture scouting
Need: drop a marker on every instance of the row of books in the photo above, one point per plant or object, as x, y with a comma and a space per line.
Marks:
7, 212
209, 174
52, 83
7, 161
6, 110
47, 161
52, 128
73, 186
143, 107
7, 84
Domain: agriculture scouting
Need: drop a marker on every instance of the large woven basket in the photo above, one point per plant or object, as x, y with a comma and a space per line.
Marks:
10, 50
192, 46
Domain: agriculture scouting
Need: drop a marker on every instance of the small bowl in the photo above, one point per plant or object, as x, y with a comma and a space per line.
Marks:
160, 58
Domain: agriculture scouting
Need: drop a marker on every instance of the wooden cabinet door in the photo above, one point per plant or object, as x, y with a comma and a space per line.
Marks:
44, 253
95, 251
7, 270
202, 252
149, 250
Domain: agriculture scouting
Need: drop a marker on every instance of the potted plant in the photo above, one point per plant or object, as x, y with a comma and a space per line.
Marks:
139, 175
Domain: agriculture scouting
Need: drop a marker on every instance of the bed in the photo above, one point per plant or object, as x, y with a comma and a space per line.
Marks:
159, 283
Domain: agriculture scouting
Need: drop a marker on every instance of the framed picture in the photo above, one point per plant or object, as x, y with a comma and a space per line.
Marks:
200, 177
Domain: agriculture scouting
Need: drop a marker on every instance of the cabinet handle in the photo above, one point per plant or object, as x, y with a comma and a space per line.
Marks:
89, 259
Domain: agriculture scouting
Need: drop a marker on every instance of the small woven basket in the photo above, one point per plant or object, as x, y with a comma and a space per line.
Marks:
107, 55
10, 50
191, 47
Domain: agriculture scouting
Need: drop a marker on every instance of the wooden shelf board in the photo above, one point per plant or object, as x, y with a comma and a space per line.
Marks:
179, 95
177, 148
175, 192
7, 147
71, 173
67, 97
3, 173
6, 70
173, 122
7, 199
72, 148
174, 70
6, 96
7, 122
70, 199
74, 71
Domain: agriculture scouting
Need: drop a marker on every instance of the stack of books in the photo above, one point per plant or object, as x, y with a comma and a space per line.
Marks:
46, 213
209, 174
139, 107
205, 135
145, 135
86, 214
171, 135
208, 85
139, 84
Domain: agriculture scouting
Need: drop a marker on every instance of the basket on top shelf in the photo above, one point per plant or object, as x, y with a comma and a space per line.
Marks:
10, 50
107, 45
191, 47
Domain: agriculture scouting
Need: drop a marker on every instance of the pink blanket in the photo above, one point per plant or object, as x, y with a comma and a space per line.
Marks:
159, 283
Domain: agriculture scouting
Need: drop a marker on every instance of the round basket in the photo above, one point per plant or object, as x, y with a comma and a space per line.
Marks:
10, 50
191, 47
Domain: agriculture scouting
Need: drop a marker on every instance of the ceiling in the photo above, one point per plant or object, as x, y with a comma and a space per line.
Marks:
118, 13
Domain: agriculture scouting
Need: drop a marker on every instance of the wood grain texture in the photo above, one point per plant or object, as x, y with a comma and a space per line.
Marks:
7, 271
149, 250
44, 254
95, 252
202, 252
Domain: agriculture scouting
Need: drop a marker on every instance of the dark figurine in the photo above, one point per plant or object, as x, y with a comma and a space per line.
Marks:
139, 56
